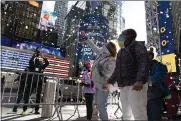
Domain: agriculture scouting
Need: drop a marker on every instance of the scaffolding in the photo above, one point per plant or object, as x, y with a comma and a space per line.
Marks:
152, 25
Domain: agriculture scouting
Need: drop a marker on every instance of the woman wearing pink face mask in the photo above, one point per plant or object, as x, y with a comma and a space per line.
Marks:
89, 89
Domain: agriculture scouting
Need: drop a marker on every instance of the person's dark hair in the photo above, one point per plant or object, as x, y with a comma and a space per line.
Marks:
130, 33
151, 49
151, 54
112, 49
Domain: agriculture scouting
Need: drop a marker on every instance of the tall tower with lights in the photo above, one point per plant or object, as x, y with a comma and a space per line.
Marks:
110, 10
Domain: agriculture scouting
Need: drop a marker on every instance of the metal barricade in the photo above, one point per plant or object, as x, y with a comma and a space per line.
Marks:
26, 86
45, 90
71, 94
114, 100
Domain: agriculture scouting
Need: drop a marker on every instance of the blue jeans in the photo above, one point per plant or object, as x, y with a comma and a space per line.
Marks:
101, 102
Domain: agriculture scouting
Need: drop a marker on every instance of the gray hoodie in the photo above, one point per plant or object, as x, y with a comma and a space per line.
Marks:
103, 65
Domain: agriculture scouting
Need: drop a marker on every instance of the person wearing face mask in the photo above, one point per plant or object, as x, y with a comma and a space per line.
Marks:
102, 69
131, 74
89, 89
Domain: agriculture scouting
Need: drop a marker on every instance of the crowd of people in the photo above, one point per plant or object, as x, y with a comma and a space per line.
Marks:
143, 81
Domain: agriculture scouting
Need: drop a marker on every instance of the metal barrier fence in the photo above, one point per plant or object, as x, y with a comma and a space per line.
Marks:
46, 90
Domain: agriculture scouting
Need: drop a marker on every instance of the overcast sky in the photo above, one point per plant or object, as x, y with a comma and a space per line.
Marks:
133, 11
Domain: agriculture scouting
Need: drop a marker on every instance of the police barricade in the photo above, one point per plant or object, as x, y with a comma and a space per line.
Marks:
114, 100
72, 94
34, 89
45, 90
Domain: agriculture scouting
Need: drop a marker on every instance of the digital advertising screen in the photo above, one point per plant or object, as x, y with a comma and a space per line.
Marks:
166, 35
13, 59
96, 29
5, 41
42, 48
47, 19
17, 59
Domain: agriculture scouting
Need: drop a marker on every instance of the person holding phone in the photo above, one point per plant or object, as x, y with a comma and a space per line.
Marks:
102, 69
35, 81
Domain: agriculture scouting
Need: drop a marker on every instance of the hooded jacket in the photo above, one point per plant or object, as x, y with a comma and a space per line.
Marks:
156, 77
103, 65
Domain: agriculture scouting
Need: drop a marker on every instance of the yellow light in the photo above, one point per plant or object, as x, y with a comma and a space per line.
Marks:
164, 43
34, 3
162, 30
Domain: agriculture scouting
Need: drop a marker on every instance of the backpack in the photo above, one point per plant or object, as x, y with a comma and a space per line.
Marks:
164, 86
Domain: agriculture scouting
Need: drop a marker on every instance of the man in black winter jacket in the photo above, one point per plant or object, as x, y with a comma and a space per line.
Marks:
131, 74
35, 81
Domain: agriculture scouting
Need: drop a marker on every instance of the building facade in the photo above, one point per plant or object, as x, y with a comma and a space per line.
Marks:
70, 36
20, 19
176, 23
60, 8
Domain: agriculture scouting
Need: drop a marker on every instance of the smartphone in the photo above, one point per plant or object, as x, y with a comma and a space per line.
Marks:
82, 36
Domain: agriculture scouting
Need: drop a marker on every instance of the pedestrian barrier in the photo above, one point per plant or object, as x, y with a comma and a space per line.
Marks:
47, 91
114, 99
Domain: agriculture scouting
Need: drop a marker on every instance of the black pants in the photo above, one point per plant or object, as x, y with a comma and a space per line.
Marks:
154, 109
29, 90
89, 105
33, 84
20, 94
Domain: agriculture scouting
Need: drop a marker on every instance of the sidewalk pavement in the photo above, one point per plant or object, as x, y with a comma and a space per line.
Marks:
67, 112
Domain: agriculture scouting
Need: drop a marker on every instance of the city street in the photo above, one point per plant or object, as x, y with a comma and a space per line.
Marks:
58, 58
67, 112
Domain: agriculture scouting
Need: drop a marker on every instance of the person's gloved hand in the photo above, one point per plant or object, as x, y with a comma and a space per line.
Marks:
82, 33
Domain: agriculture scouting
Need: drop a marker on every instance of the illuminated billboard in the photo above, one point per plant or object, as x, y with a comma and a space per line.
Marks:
47, 20
17, 59
166, 37
43, 49
96, 27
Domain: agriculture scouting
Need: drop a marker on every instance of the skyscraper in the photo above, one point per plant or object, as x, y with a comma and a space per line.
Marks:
176, 23
20, 19
61, 8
